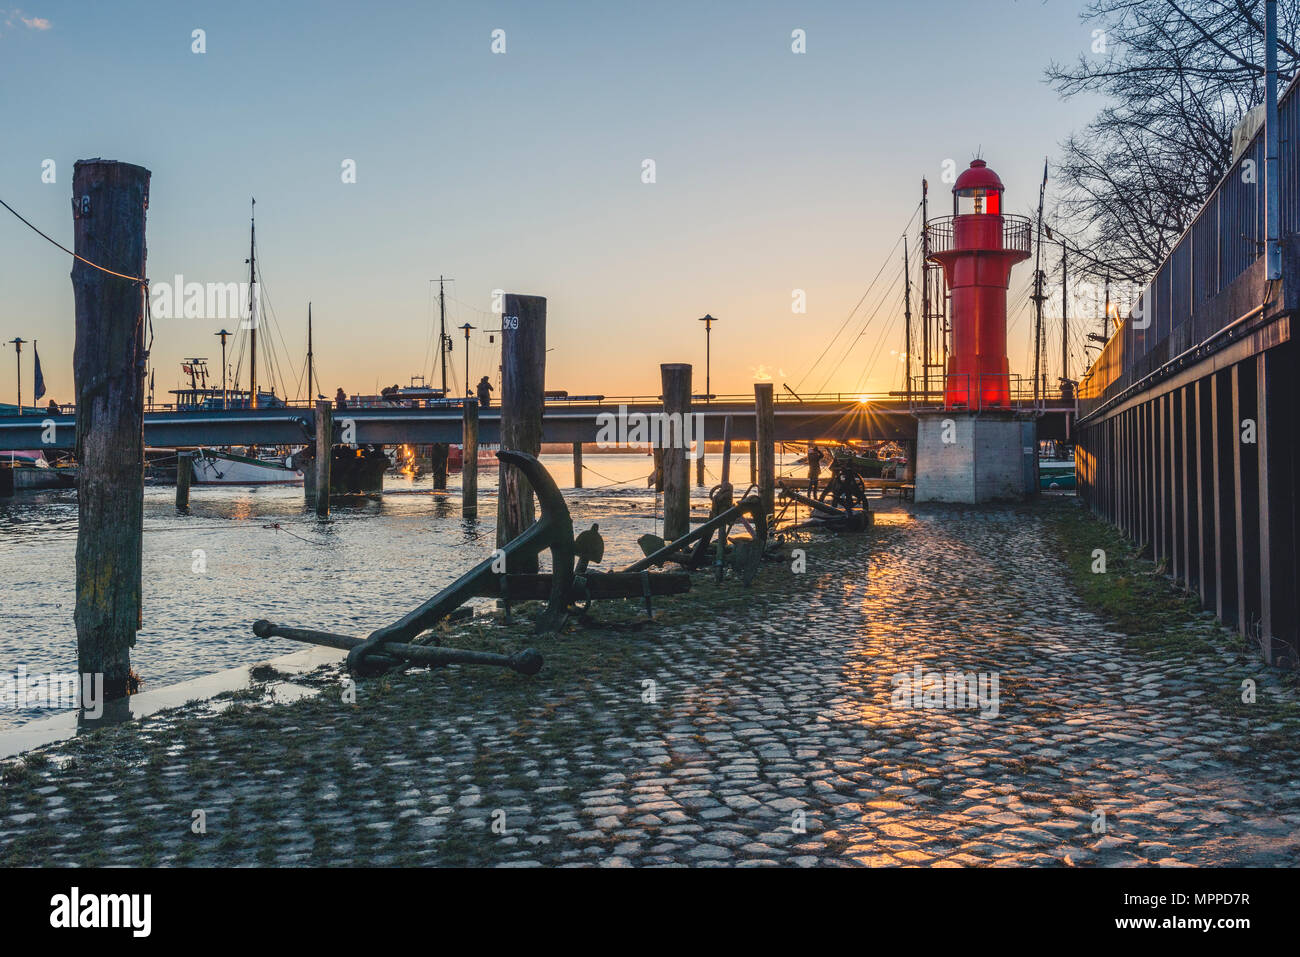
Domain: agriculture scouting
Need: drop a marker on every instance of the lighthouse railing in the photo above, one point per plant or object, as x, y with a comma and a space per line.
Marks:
1017, 233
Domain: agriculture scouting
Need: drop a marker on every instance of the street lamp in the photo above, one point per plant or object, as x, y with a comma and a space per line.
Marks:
708, 335
18, 355
467, 327
224, 335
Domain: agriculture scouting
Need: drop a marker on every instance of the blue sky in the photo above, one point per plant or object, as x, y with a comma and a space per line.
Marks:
522, 171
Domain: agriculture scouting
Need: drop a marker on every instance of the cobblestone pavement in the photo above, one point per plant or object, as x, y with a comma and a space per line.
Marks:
769, 732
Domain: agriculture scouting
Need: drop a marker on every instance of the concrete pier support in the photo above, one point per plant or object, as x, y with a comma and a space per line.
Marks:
973, 457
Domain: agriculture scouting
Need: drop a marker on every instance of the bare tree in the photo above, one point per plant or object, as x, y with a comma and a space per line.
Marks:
1179, 75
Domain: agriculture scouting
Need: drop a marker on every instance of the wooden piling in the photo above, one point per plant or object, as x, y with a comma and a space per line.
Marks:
184, 473
699, 460
765, 436
109, 201
577, 465
469, 460
523, 381
324, 455
676, 379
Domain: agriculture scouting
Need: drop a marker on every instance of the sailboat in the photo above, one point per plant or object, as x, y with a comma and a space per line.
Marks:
224, 466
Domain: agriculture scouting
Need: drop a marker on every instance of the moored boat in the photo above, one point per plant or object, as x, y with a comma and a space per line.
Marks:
211, 467
31, 470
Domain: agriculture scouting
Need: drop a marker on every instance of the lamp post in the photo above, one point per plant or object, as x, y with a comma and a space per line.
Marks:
467, 327
18, 352
708, 321
708, 335
224, 335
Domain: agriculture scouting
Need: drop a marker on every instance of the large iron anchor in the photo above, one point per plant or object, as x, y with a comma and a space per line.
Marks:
553, 530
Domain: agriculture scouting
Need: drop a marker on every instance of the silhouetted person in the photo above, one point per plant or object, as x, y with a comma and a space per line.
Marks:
53, 408
484, 393
814, 466
340, 400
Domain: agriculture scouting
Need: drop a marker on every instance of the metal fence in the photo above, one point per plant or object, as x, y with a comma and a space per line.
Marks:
1224, 239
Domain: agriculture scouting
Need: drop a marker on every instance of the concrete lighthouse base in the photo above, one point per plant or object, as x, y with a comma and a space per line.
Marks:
973, 457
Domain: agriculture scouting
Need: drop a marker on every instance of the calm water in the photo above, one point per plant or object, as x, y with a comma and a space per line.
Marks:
367, 565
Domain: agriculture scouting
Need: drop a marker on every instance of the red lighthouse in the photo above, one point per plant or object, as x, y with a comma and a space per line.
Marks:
977, 247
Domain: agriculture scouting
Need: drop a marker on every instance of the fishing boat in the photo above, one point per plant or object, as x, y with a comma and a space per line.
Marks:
221, 467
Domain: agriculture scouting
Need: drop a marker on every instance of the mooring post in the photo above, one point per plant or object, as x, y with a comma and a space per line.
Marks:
109, 200
765, 435
469, 460
699, 460
676, 379
184, 473
324, 455
577, 465
523, 383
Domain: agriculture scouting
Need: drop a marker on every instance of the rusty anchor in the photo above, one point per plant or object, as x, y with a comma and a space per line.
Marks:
566, 584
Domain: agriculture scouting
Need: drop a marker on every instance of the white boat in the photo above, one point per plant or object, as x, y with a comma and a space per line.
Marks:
211, 467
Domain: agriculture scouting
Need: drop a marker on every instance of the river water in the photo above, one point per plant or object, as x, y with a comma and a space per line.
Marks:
210, 573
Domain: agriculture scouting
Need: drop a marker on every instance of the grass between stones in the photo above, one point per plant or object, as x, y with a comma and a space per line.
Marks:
1137, 595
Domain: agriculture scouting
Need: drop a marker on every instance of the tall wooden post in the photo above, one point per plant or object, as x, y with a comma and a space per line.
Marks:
676, 378
184, 472
577, 465
765, 436
109, 201
324, 455
469, 460
699, 461
523, 383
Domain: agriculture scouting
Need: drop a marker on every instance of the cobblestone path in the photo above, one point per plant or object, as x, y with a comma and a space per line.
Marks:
772, 732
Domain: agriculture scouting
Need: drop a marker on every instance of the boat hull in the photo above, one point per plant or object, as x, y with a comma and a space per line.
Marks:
217, 468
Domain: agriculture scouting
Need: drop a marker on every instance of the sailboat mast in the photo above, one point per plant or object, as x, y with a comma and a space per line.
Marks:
252, 310
442, 337
311, 393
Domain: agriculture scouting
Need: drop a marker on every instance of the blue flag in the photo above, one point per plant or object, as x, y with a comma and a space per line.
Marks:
40, 379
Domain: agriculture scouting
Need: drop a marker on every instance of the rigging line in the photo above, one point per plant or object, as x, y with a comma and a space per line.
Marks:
866, 323
880, 340
914, 265
60, 245
277, 363
862, 329
889, 256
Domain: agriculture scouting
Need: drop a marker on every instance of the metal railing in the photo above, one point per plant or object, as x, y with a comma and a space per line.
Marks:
952, 390
1224, 239
1017, 233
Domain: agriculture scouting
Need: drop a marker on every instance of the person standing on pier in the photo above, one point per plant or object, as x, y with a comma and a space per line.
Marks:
484, 393
340, 399
814, 466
